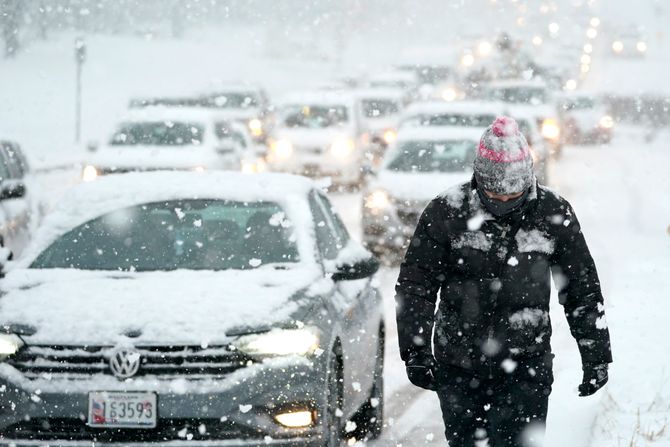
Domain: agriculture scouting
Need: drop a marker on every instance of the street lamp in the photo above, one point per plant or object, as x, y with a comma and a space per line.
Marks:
80, 58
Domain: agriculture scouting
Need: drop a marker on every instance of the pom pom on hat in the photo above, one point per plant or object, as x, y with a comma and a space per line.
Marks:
504, 126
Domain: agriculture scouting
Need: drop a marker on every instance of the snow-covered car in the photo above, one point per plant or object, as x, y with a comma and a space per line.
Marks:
405, 80
539, 149
319, 133
586, 119
478, 114
530, 98
173, 306
20, 205
423, 162
380, 114
629, 42
171, 138
244, 103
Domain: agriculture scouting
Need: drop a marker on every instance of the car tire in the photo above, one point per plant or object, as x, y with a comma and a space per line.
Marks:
375, 405
332, 413
369, 418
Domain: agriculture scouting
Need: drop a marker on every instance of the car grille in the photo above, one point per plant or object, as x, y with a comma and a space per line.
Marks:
164, 362
45, 429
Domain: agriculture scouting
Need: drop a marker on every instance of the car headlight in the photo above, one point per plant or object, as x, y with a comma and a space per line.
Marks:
342, 148
617, 46
606, 122
377, 200
389, 136
256, 127
467, 60
253, 166
641, 47
89, 173
550, 129
9, 345
449, 94
278, 342
281, 149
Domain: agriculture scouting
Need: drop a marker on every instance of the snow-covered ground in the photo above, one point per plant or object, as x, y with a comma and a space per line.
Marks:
619, 192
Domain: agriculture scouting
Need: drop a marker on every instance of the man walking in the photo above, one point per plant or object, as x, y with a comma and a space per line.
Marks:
487, 248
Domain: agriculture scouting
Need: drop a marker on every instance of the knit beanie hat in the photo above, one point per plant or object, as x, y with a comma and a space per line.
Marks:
503, 164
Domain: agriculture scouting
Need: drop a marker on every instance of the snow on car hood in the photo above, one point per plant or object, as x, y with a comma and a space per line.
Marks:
180, 157
313, 137
418, 187
74, 307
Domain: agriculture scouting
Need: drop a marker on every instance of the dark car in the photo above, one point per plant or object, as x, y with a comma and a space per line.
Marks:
19, 209
177, 306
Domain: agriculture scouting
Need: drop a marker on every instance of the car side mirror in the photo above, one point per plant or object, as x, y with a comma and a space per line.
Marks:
363, 268
368, 170
92, 146
12, 190
226, 147
353, 262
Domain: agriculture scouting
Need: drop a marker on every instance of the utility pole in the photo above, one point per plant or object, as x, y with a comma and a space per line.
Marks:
80, 58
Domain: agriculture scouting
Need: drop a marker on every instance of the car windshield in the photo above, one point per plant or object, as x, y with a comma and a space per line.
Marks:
315, 117
432, 156
158, 133
451, 119
579, 104
379, 108
186, 234
233, 100
519, 95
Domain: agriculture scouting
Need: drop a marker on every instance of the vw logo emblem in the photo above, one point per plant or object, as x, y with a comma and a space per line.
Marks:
124, 363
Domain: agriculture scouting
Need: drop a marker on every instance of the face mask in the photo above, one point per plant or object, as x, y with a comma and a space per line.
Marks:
499, 208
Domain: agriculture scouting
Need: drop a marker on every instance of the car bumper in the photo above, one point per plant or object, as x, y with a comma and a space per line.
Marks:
234, 411
293, 442
390, 230
341, 170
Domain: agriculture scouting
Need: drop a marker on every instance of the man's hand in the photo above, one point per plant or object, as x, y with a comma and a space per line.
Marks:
595, 377
421, 370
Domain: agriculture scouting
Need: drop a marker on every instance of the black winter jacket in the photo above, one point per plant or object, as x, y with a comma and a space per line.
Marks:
493, 279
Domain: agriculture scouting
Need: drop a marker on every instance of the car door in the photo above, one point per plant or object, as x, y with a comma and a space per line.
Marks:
361, 314
15, 211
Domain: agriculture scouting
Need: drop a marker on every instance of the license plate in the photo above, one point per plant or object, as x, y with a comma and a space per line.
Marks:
110, 409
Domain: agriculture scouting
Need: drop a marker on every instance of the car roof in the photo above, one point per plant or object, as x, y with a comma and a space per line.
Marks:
318, 97
427, 133
509, 83
394, 75
379, 93
231, 86
162, 113
467, 107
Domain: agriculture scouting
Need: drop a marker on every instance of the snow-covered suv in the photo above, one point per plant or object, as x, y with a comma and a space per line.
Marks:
319, 134
171, 138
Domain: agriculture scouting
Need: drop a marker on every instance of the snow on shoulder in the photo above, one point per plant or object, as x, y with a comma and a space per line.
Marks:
454, 196
110, 193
